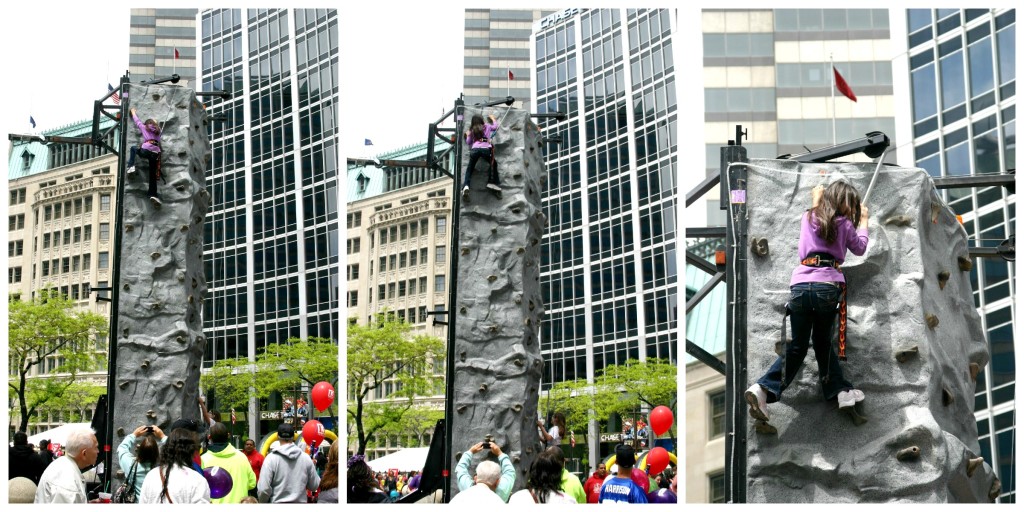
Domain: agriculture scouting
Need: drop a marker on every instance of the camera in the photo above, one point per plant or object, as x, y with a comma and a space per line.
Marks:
488, 439
149, 429
487, 446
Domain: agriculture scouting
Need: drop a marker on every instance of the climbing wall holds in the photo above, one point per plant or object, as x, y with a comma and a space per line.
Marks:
974, 369
943, 278
905, 355
947, 397
898, 220
129, 228
155, 255
908, 454
973, 465
759, 246
931, 320
965, 263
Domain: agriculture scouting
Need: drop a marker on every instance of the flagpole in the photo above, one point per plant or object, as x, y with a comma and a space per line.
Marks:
833, 64
508, 80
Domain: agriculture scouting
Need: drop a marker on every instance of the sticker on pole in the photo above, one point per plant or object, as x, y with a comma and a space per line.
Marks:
738, 196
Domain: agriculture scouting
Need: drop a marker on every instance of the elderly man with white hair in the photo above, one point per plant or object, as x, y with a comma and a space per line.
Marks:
493, 483
62, 481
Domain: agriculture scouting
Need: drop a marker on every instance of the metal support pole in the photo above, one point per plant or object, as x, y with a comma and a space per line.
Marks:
453, 274
736, 321
115, 277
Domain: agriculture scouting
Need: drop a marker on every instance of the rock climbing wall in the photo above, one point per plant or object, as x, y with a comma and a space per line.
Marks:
915, 346
160, 327
498, 305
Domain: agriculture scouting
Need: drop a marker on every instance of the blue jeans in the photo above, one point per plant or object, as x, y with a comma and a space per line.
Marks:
474, 156
812, 309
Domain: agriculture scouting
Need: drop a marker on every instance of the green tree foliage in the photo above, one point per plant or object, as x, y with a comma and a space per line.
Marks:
280, 367
622, 389
414, 424
387, 353
49, 328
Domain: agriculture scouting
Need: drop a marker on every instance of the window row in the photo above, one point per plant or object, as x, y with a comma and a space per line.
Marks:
415, 286
73, 264
75, 235
74, 207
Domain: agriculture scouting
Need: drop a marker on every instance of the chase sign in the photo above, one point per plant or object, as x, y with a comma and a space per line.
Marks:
558, 17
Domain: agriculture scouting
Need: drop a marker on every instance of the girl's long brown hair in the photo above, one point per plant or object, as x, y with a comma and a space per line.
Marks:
476, 126
839, 198
330, 479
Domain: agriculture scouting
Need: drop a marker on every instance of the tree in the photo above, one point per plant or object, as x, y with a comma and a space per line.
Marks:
385, 356
415, 423
46, 331
618, 389
279, 367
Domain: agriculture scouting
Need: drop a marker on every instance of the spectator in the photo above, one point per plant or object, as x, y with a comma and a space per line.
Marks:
544, 482
493, 483
20, 490
254, 456
22, 459
45, 455
193, 427
174, 480
363, 485
287, 471
621, 488
62, 482
141, 447
593, 486
221, 454
570, 483
328, 492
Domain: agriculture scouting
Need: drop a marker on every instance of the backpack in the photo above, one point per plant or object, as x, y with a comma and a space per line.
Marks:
125, 492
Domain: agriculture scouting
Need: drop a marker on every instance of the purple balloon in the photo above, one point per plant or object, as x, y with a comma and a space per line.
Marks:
661, 496
219, 480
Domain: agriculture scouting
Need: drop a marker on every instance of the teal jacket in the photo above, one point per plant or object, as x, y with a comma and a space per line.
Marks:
126, 457
505, 483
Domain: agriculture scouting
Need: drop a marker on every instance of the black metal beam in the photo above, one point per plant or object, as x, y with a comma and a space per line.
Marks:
558, 116
872, 144
708, 184
975, 180
215, 94
705, 357
706, 232
704, 291
700, 263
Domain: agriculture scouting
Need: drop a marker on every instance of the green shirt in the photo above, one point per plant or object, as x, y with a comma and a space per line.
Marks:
571, 485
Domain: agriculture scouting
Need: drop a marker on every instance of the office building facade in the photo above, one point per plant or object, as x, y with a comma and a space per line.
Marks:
958, 118
60, 216
155, 35
608, 267
272, 234
498, 41
398, 220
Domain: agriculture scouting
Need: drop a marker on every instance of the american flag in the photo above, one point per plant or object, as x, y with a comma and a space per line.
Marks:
572, 439
116, 97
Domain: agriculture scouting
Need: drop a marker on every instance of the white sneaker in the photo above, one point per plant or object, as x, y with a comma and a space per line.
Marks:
758, 401
494, 186
850, 398
131, 171
465, 190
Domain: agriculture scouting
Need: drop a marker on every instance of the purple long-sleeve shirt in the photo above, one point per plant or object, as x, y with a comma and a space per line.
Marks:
489, 130
147, 135
847, 237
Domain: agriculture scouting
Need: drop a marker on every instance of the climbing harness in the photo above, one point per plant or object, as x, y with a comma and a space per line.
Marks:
822, 259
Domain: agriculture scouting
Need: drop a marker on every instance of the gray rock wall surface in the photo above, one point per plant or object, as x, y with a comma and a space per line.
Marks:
920, 443
160, 341
498, 305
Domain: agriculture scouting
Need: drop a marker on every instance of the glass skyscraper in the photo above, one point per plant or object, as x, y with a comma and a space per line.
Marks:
271, 241
608, 267
960, 119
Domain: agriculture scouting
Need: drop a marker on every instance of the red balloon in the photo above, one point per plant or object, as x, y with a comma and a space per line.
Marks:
661, 419
657, 460
323, 395
313, 433
640, 478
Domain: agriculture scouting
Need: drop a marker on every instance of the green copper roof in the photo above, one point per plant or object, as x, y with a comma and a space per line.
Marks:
366, 180
30, 158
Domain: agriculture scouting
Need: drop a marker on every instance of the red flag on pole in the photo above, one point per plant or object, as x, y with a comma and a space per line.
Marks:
176, 54
842, 86
510, 75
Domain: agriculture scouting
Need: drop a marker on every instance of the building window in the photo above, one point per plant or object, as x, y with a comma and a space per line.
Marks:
383, 236
16, 222
442, 223
18, 196
88, 234
104, 260
104, 232
353, 298
88, 204
353, 245
78, 234
354, 219
439, 284
716, 405
14, 275
439, 255
15, 248
86, 261
78, 206
104, 202
412, 258
716, 488
353, 272
381, 292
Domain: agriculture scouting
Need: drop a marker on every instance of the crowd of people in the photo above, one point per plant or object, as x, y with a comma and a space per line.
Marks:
176, 468
548, 481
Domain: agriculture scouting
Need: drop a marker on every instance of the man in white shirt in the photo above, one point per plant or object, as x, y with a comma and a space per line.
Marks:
62, 481
493, 483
